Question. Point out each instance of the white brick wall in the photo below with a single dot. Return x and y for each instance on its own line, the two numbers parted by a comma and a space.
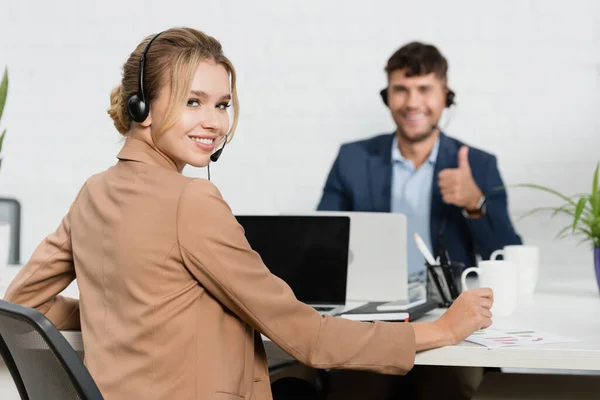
525, 73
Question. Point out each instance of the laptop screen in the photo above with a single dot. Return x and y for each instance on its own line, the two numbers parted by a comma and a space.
309, 253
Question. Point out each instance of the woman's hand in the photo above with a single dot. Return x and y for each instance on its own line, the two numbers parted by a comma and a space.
469, 312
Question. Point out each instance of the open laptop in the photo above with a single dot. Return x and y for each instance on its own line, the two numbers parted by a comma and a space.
309, 253
377, 263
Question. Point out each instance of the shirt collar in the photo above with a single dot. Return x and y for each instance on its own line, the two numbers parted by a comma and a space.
140, 151
397, 155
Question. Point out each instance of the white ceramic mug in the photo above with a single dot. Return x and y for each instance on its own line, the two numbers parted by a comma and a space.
501, 277
527, 260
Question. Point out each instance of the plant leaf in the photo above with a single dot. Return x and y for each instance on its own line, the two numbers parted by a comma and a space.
569, 209
584, 208
3, 91
581, 241
540, 209
560, 233
595, 195
578, 211
595, 227
2, 139
545, 189
566, 208
579, 231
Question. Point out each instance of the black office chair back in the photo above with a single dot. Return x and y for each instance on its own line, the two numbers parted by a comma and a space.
10, 212
42, 363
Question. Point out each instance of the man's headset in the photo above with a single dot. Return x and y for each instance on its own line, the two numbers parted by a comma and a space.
449, 97
138, 107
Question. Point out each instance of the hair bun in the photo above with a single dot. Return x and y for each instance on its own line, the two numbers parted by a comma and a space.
117, 110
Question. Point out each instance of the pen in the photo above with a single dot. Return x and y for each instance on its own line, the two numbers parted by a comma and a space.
447, 266
448, 276
424, 250
443, 250
444, 299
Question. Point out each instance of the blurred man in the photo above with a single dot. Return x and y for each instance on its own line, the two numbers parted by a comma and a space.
442, 186
438, 182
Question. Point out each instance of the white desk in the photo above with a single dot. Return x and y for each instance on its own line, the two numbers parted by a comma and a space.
568, 306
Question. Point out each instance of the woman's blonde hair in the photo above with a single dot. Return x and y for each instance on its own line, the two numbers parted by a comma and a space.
173, 57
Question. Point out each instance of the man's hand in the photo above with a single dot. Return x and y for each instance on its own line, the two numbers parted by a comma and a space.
457, 184
469, 312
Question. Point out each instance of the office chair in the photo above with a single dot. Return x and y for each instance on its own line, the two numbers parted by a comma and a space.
42, 363
288, 384
10, 211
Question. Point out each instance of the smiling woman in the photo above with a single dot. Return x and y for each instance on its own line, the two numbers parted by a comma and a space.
174, 96
202, 122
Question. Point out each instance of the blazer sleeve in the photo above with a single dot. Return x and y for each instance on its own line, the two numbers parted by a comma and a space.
47, 273
494, 230
215, 250
335, 196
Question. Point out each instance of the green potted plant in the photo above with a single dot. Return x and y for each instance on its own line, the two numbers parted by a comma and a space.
585, 211
4, 226
3, 93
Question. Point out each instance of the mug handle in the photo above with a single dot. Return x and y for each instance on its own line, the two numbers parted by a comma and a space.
495, 254
463, 277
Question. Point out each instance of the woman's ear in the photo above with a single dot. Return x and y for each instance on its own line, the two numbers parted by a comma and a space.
148, 121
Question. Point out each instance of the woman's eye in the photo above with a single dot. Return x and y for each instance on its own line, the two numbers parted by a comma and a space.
193, 103
223, 106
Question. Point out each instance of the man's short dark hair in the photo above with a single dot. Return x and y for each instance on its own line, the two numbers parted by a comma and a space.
418, 59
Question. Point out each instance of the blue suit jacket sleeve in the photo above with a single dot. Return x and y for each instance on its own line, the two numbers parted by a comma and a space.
335, 196
494, 230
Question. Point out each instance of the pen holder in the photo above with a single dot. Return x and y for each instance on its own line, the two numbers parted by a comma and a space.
443, 283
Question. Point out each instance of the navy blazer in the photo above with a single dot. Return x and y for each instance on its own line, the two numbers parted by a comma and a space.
361, 180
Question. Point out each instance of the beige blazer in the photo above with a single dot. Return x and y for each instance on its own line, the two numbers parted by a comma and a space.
172, 297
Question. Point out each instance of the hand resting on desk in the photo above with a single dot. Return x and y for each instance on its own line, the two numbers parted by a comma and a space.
469, 312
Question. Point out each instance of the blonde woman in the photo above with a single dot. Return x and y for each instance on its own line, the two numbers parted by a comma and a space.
172, 297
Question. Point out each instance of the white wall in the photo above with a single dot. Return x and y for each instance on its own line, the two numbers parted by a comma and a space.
525, 73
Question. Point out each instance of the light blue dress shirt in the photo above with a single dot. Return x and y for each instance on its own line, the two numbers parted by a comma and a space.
411, 195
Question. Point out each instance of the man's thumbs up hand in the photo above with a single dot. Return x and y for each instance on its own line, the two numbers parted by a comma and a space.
457, 184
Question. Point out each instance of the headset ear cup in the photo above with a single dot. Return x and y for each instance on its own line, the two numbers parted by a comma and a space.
450, 98
384, 96
137, 108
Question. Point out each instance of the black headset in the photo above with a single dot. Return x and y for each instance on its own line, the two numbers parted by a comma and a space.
138, 107
449, 97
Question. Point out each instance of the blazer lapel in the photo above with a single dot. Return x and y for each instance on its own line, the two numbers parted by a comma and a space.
379, 173
447, 158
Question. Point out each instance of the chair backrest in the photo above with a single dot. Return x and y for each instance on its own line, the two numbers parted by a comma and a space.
41, 361
10, 211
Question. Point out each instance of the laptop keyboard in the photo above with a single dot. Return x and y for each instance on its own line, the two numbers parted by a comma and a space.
323, 309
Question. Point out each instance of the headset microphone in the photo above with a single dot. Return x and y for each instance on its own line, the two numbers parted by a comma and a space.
215, 156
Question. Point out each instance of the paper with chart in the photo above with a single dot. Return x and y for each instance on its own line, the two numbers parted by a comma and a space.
493, 338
